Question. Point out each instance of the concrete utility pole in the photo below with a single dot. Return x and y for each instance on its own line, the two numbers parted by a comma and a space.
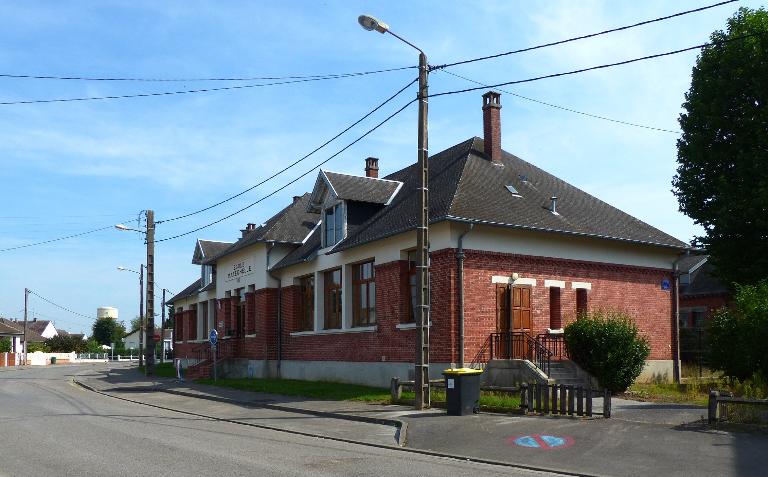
26, 307
150, 349
141, 316
422, 231
162, 331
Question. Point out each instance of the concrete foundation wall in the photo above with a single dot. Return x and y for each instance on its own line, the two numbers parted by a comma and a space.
657, 371
511, 372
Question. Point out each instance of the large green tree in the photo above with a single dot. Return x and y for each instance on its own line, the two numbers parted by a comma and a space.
722, 174
107, 331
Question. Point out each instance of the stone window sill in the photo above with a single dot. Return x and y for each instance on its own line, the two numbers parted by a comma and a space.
359, 329
408, 326
251, 336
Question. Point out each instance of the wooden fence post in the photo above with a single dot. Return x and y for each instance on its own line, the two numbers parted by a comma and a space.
589, 400
563, 397
395, 389
580, 401
524, 398
545, 398
554, 399
606, 403
713, 407
538, 398
570, 400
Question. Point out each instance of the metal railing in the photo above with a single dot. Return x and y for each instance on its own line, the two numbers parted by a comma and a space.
520, 345
482, 356
554, 343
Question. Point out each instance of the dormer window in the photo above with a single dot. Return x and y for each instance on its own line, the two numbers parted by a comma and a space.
333, 225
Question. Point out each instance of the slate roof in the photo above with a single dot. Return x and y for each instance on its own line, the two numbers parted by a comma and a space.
290, 225
703, 281
362, 189
38, 326
8, 328
465, 186
190, 290
208, 249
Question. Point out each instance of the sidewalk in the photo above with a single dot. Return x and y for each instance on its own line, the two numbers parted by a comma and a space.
642, 439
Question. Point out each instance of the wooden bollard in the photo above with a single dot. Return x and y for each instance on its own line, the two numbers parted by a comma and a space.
395, 389
606, 404
580, 401
524, 398
712, 414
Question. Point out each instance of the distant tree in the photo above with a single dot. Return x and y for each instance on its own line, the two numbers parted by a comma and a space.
722, 178
107, 331
5, 345
135, 323
33, 347
66, 344
169, 320
93, 346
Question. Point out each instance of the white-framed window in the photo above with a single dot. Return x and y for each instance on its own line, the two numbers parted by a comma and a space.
333, 225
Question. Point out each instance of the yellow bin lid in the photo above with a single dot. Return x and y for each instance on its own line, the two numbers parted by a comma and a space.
463, 371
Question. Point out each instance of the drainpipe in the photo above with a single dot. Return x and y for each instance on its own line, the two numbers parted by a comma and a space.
460, 287
279, 312
676, 314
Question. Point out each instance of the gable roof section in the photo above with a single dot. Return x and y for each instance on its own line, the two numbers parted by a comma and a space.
192, 289
291, 225
38, 326
205, 249
465, 186
703, 280
304, 253
7, 328
360, 189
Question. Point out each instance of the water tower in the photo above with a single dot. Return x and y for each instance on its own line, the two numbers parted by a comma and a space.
106, 312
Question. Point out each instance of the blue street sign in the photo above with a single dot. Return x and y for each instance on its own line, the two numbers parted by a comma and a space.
213, 337
665, 284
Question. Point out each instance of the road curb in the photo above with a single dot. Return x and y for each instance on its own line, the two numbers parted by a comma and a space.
348, 441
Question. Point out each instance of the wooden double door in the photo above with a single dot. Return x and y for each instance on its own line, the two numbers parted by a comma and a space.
513, 314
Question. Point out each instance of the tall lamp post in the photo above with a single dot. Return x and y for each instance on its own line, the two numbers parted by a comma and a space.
422, 232
150, 241
141, 310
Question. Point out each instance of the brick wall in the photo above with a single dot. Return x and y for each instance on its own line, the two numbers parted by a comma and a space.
710, 302
634, 290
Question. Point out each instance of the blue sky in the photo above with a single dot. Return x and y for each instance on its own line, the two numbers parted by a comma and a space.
77, 166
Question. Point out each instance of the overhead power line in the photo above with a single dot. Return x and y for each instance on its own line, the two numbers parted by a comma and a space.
563, 107
592, 68
298, 160
190, 80
171, 93
59, 306
583, 37
309, 171
56, 239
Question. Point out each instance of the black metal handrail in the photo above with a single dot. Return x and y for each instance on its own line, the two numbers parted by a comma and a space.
480, 358
520, 345
554, 343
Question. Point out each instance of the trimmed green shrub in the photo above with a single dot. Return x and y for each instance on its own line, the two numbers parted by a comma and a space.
5, 345
606, 345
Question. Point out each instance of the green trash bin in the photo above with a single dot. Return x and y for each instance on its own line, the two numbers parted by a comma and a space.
462, 391
53, 359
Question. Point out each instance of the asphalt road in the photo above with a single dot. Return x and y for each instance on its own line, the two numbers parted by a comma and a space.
51, 427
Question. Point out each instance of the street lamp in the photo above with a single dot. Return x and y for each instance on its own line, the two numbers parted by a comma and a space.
150, 323
141, 310
422, 232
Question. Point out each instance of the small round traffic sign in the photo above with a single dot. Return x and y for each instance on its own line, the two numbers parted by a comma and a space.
213, 337
541, 441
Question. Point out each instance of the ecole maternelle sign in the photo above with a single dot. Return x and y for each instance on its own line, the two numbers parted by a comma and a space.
240, 269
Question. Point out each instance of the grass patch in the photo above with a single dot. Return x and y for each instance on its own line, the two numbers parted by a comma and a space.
697, 393
490, 401
164, 370
314, 389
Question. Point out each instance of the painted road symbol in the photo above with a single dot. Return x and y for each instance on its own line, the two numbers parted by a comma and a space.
541, 441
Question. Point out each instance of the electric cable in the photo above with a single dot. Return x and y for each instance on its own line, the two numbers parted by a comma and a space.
56, 239
171, 93
296, 161
191, 80
59, 306
583, 37
592, 68
563, 107
295, 179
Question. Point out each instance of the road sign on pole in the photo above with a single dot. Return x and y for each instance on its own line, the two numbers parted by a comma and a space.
213, 338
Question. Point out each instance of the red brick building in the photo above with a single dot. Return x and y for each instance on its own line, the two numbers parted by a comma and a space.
322, 290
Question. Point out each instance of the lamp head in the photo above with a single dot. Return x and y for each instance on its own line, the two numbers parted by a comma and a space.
121, 268
121, 227
372, 23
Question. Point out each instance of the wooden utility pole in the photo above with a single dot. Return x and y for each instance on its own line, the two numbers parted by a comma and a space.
141, 316
26, 307
422, 246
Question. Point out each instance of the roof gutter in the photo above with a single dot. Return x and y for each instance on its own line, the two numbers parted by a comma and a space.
279, 310
676, 313
460, 287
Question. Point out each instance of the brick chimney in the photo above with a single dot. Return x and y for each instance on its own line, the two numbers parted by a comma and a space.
492, 125
372, 167
248, 228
